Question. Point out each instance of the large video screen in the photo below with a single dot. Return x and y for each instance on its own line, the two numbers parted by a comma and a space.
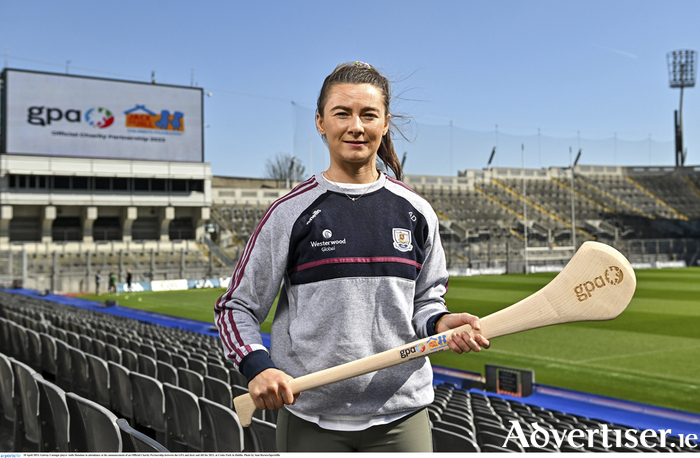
62, 115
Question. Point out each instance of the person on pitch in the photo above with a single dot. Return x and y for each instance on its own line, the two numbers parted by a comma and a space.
362, 269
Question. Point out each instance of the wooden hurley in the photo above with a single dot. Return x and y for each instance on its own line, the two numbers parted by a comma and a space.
597, 284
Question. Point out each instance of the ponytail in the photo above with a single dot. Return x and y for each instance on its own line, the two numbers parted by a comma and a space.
387, 154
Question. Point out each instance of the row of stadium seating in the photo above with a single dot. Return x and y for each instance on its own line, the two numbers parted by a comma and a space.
145, 387
474, 422
168, 384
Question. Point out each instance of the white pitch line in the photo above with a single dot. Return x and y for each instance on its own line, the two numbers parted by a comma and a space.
580, 363
641, 353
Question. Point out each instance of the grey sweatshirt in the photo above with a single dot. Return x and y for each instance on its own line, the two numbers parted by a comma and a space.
357, 278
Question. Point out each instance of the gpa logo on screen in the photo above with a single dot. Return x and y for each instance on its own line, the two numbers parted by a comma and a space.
99, 118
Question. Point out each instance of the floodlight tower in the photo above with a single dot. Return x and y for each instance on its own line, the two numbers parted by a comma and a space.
681, 73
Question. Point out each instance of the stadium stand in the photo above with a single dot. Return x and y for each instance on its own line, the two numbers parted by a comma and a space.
650, 214
141, 413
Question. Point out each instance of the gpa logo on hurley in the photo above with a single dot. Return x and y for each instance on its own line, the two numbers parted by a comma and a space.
402, 239
612, 276
431, 345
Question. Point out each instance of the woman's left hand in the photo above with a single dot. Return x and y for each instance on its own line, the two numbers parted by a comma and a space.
462, 342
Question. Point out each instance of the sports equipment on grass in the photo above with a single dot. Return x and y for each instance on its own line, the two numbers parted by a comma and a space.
597, 284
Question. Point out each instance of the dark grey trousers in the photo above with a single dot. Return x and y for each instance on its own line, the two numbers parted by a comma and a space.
408, 434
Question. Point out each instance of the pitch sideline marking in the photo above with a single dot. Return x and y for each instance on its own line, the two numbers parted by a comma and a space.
578, 363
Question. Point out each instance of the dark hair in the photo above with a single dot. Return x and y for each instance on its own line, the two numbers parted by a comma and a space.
361, 73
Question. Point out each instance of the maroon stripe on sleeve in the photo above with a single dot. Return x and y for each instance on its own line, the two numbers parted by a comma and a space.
227, 327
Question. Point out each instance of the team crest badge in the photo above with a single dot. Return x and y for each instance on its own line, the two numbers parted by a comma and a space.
402, 239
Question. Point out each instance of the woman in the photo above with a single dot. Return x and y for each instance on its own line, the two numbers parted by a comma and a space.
362, 270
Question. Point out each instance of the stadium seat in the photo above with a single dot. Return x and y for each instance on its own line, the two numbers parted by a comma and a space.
485, 437
85, 343
99, 349
197, 365
27, 434
191, 381
218, 391
261, 435
481, 425
164, 355
454, 428
147, 365
130, 359
72, 339
450, 441
433, 415
491, 448
114, 353
5, 337
7, 392
33, 350
183, 420
134, 441
99, 380
179, 360
54, 417
458, 420
93, 428
120, 390
148, 350
148, 403
569, 449
64, 374
166, 373
19, 341
48, 355
79, 370
237, 378
221, 430
218, 371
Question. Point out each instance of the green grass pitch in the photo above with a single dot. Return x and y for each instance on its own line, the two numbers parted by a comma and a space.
649, 354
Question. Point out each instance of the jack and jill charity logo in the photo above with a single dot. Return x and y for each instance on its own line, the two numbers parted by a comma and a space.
141, 117
99, 118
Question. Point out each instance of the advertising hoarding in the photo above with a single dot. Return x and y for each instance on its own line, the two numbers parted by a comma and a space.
50, 114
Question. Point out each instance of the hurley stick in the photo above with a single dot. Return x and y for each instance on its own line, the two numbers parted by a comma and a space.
596, 284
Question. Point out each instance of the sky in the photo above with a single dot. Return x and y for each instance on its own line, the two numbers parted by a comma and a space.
535, 79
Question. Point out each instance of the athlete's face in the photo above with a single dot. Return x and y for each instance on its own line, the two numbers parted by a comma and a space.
354, 121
